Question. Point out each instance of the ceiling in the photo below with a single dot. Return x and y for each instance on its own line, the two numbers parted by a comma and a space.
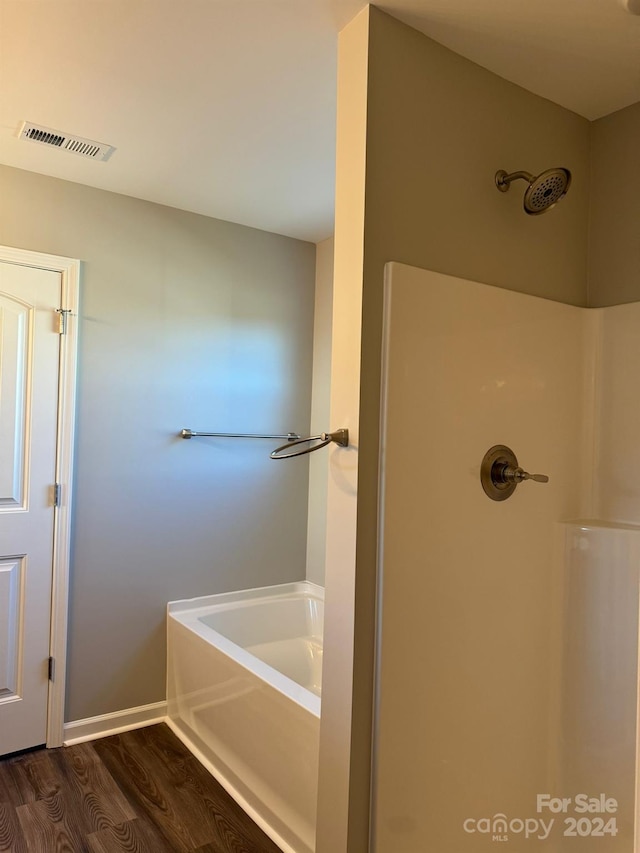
227, 107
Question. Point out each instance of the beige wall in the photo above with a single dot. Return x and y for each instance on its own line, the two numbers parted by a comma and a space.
185, 322
614, 234
438, 128
320, 400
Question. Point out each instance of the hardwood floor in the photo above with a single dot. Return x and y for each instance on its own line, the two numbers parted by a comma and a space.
138, 792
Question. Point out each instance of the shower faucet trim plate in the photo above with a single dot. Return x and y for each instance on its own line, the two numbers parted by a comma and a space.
500, 473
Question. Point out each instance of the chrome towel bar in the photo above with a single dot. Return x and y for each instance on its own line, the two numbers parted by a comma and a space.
340, 437
190, 433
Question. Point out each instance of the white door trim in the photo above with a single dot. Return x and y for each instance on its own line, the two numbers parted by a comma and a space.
69, 269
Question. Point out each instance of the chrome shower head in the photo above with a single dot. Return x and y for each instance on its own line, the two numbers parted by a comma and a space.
543, 192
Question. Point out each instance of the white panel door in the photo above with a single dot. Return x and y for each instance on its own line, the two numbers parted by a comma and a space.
29, 356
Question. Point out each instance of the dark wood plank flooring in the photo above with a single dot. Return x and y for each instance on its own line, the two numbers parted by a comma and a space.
138, 792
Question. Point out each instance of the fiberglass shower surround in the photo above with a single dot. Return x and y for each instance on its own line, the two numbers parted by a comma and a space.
512, 625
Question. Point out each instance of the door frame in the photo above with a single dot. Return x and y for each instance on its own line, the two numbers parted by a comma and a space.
69, 269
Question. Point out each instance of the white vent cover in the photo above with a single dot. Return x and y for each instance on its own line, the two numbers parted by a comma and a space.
65, 141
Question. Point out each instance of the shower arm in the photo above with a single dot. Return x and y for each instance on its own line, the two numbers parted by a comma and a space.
503, 180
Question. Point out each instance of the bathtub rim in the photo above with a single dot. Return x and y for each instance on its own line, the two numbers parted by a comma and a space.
253, 594
188, 612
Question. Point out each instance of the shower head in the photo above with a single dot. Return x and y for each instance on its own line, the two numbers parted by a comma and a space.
543, 192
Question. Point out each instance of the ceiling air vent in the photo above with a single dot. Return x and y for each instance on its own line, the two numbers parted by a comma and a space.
65, 141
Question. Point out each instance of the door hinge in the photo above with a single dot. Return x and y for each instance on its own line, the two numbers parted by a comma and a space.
52, 669
63, 313
57, 489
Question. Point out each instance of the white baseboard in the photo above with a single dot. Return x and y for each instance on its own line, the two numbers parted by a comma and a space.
92, 728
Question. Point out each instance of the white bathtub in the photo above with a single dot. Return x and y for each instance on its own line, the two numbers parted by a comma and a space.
244, 672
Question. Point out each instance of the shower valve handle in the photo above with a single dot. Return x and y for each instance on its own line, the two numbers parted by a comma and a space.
500, 473
517, 475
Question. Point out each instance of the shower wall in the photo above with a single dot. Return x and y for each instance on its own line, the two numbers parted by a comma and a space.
467, 664
597, 746
186, 321
616, 486
601, 594
510, 671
